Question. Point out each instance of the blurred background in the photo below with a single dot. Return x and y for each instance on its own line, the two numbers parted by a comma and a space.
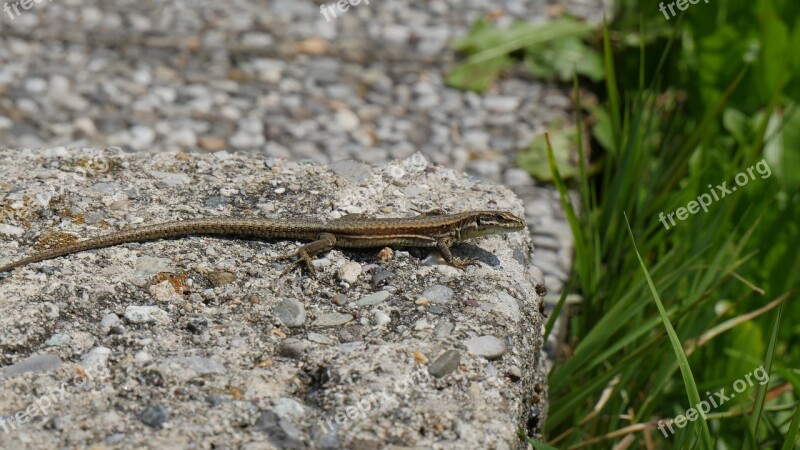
643, 111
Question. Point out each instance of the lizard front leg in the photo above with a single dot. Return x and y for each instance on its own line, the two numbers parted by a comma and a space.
444, 249
324, 243
431, 212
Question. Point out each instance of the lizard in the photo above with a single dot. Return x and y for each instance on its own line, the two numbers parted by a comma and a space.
431, 229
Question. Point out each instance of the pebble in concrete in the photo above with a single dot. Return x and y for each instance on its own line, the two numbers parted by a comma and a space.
145, 314
373, 299
488, 347
445, 363
437, 294
332, 320
291, 312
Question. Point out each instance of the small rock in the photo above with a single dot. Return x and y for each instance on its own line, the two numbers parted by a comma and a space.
11, 230
211, 143
147, 266
164, 292
197, 325
501, 104
214, 202
184, 137
141, 137
385, 254
380, 276
421, 324
340, 299
352, 333
350, 347
437, 294
293, 348
380, 318
188, 367
282, 433
536, 274
514, 373
347, 120
289, 409
488, 347
373, 299
170, 178
443, 329
442, 268
320, 338
329, 440
332, 320
108, 321
291, 313
146, 314
507, 305
38, 363
349, 272
352, 170
96, 359
35, 85
154, 416
142, 357
221, 278
445, 363
58, 340
218, 399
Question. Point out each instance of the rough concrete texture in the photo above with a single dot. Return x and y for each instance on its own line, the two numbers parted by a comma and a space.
196, 343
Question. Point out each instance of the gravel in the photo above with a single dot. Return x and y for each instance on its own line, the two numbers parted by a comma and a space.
199, 77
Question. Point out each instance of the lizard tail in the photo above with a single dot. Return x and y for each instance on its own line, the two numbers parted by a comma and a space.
142, 234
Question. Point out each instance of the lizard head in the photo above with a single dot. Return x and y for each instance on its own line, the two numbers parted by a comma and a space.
484, 223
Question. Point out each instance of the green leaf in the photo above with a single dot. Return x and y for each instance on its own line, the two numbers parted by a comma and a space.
490, 49
535, 159
738, 125
559, 59
478, 77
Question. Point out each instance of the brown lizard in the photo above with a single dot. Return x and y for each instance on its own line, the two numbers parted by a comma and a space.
433, 229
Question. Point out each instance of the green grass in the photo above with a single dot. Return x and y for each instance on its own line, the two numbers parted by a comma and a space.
671, 316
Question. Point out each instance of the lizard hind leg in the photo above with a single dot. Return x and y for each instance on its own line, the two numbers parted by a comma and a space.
325, 242
461, 263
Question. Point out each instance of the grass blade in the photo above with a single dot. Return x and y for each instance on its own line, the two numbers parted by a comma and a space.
677, 346
759, 405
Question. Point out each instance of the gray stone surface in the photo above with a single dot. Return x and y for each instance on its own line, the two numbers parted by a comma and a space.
213, 363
